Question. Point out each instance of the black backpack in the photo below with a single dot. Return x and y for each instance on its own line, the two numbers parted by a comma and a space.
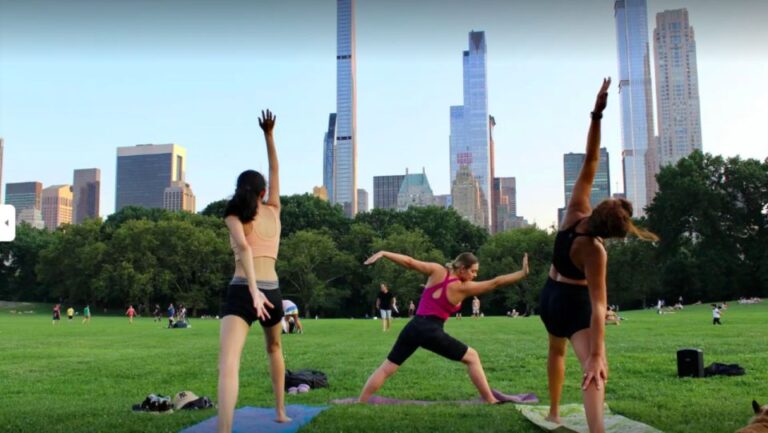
313, 378
717, 368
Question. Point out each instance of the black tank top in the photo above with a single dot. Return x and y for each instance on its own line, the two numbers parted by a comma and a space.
561, 256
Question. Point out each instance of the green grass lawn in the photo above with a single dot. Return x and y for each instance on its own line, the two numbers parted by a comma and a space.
75, 378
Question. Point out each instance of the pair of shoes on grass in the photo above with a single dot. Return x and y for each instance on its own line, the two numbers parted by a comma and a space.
298, 389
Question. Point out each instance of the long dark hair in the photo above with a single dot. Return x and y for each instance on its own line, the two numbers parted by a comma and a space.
612, 218
245, 203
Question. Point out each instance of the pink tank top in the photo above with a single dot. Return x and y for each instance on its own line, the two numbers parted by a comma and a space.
440, 307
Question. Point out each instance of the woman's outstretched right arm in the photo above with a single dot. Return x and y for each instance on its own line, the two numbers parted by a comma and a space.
267, 124
408, 262
583, 187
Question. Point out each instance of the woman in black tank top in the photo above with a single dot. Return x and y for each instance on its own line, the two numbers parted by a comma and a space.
573, 301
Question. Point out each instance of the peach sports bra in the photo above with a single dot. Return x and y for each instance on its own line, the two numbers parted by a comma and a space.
264, 236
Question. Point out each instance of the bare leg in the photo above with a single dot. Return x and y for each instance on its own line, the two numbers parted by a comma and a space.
477, 375
555, 375
388, 323
593, 397
277, 369
231, 340
377, 379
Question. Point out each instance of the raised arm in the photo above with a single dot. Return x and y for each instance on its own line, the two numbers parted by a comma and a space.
425, 268
472, 288
596, 368
244, 252
267, 124
583, 186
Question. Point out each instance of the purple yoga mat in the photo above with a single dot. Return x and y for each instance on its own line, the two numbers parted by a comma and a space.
505, 398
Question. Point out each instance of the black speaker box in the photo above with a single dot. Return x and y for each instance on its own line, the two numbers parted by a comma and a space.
690, 363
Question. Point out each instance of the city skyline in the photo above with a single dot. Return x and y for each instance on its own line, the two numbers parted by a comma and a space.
543, 71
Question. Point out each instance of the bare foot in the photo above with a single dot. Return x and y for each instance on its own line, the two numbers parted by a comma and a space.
282, 419
492, 401
553, 418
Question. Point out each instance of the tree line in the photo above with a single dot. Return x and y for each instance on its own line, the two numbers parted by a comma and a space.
710, 213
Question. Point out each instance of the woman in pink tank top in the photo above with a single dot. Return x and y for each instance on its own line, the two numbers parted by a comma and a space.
446, 288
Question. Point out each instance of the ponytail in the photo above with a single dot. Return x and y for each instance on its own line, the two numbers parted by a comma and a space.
245, 203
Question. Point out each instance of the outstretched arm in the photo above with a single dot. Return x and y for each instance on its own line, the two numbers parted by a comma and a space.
471, 288
267, 124
596, 367
426, 268
583, 187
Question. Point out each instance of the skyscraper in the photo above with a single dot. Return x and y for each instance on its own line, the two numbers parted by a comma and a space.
677, 87
329, 144
345, 151
57, 206
24, 196
601, 186
385, 190
145, 171
470, 134
466, 196
86, 189
415, 191
638, 150
362, 200
178, 196
505, 202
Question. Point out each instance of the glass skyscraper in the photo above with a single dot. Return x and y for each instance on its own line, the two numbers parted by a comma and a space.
145, 171
677, 87
470, 132
329, 144
385, 190
24, 196
638, 147
86, 188
601, 187
345, 151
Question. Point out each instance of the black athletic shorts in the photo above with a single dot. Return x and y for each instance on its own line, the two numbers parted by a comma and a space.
565, 308
426, 332
240, 303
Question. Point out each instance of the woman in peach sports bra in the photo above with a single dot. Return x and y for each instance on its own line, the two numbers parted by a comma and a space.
446, 288
253, 294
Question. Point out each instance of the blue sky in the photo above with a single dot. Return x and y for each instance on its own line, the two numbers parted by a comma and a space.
80, 78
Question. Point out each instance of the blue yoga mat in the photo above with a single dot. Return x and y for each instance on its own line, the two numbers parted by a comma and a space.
261, 420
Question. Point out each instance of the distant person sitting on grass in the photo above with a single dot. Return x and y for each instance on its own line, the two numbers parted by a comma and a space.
611, 318
87, 314
130, 313
56, 313
446, 288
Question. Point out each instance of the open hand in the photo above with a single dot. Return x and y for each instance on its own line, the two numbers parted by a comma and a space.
371, 260
260, 304
267, 121
525, 269
602, 96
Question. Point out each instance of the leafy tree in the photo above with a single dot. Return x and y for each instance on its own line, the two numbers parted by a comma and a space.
18, 260
215, 209
310, 268
503, 254
307, 212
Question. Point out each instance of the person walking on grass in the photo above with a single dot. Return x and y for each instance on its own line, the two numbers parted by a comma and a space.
447, 286
254, 292
716, 312
475, 307
171, 314
130, 313
384, 303
56, 314
86, 314
70, 314
573, 301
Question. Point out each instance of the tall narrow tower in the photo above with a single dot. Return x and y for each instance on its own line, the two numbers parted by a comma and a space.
345, 151
470, 147
638, 144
